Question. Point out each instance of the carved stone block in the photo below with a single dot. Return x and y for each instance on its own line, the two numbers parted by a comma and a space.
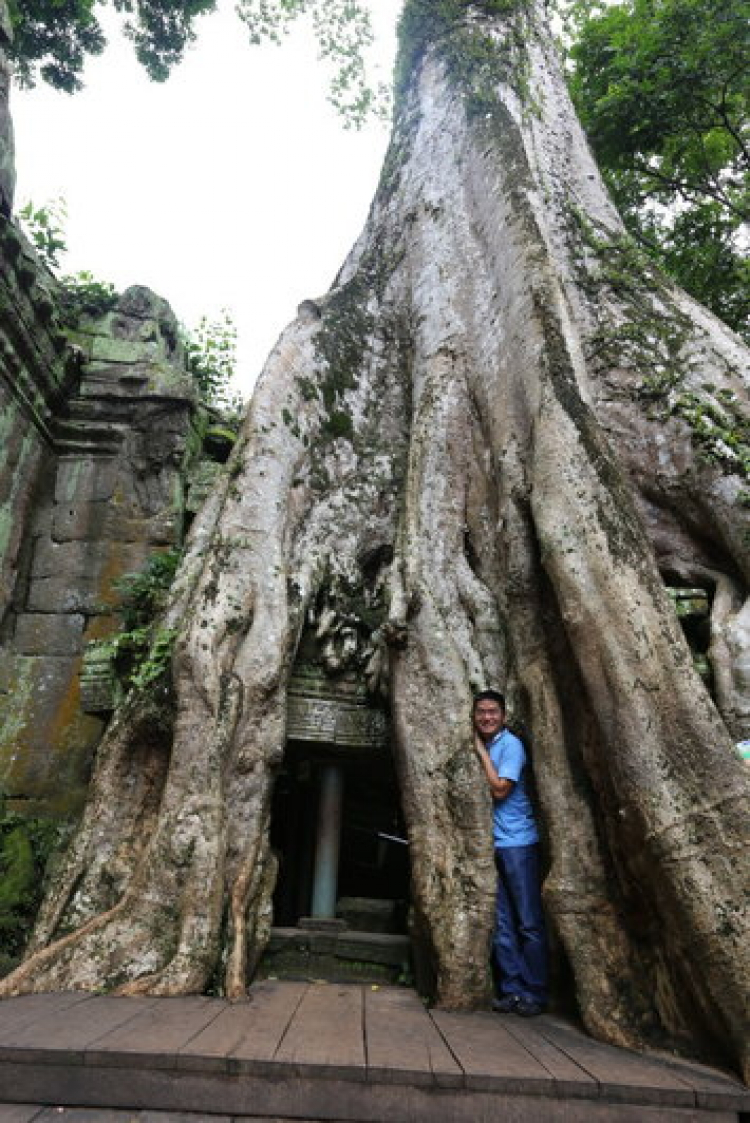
48, 634
335, 713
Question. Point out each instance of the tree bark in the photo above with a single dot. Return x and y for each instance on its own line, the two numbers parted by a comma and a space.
496, 436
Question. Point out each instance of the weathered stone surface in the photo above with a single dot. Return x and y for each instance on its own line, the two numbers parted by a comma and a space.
100, 690
105, 349
49, 634
69, 561
367, 914
50, 594
136, 347
163, 528
79, 480
84, 500
15, 508
47, 740
76, 521
36, 377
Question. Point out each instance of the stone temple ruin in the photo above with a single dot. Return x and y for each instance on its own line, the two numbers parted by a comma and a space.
107, 454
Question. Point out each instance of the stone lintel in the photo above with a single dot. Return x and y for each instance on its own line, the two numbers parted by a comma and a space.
331, 712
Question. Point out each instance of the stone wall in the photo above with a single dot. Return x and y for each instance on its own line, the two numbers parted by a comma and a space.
38, 370
103, 431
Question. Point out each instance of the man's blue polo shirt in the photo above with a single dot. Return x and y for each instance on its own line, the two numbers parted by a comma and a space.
512, 817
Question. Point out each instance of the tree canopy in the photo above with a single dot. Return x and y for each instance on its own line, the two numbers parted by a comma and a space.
662, 88
52, 41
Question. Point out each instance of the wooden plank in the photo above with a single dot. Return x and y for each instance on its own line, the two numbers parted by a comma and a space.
155, 1036
570, 1079
68, 1030
28, 1009
300, 1098
402, 1043
622, 1076
326, 1033
713, 1089
245, 1034
490, 1056
113, 1115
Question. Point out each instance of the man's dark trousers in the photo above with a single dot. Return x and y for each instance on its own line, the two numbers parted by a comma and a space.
520, 941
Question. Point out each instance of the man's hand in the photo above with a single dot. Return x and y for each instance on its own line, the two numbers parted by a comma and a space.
479, 746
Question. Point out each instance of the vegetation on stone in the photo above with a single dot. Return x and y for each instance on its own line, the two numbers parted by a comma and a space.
82, 294
210, 348
26, 845
141, 652
45, 226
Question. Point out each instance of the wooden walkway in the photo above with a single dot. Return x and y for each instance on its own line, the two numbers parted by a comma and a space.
307, 1051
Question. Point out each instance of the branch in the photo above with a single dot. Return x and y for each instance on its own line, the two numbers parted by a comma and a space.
688, 190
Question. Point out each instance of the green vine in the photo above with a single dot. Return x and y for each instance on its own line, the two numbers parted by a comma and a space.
143, 595
141, 653
141, 656
44, 226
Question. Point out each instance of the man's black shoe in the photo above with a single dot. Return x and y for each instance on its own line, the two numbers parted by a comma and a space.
527, 1008
508, 1004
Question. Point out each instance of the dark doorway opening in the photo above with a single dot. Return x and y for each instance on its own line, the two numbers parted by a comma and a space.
373, 858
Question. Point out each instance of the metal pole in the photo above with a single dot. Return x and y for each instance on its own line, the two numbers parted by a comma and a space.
325, 877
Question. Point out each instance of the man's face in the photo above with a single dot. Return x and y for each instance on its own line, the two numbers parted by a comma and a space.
489, 718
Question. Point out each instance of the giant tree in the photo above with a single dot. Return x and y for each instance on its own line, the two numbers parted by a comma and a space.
475, 461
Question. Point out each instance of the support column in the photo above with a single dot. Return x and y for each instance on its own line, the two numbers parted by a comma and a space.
325, 877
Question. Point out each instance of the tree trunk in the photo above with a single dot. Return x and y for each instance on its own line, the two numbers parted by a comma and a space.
472, 463
7, 162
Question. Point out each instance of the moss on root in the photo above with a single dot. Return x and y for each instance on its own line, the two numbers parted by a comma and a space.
655, 345
475, 59
26, 845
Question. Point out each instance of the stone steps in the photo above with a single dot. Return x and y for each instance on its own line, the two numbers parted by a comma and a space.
83, 436
336, 956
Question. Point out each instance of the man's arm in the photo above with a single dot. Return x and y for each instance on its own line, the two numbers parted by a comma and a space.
500, 787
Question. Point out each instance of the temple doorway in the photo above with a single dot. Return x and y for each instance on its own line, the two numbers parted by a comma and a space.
342, 893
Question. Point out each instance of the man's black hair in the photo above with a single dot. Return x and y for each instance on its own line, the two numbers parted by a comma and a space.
489, 696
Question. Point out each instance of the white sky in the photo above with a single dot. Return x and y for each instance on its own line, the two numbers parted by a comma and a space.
234, 184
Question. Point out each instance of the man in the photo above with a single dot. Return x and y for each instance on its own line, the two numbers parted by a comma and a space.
519, 942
